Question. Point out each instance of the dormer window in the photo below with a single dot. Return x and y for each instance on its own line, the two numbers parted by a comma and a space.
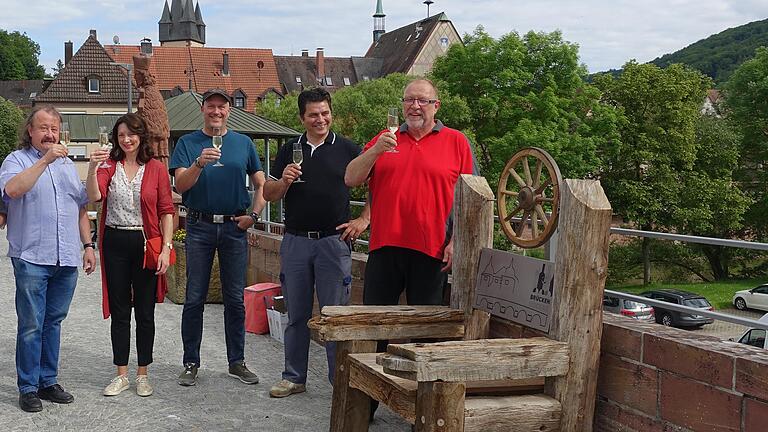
328, 81
94, 84
239, 98
346, 81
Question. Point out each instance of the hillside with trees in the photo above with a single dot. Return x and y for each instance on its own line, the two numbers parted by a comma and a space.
719, 55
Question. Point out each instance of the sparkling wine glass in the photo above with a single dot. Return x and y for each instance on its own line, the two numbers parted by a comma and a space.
298, 158
217, 141
64, 134
105, 144
393, 124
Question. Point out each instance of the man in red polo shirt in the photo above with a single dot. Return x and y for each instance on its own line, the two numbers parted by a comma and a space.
411, 196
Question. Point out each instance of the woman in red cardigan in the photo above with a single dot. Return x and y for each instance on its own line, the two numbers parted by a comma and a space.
135, 192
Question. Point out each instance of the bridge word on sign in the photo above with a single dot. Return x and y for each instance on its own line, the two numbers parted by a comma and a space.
516, 288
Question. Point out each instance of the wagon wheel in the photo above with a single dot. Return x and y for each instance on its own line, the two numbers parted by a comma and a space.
529, 197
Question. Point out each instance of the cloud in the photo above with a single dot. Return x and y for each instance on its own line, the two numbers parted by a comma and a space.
608, 32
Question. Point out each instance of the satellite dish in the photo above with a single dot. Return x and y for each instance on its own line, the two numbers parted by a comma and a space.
116, 39
260, 64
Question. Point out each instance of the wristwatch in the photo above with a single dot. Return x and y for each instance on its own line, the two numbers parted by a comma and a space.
91, 245
255, 216
197, 162
169, 245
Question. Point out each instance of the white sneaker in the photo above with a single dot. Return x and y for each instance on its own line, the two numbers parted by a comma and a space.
117, 385
143, 387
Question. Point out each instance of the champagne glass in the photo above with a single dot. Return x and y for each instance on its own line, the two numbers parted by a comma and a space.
393, 124
217, 141
64, 134
298, 158
105, 144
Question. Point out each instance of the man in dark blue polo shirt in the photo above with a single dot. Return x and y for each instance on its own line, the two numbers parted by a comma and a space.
216, 198
316, 249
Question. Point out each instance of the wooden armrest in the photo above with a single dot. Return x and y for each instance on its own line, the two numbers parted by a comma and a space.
343, 323
477, 360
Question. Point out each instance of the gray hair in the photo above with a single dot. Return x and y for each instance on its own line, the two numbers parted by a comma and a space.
25, 140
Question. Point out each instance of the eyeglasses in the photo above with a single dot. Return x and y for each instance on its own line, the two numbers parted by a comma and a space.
421, 102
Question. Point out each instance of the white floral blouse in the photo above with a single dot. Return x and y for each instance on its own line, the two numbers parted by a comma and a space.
123, 205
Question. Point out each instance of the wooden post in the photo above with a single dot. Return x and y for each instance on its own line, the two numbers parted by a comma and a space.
350, 408
580, 272
440, 407
472, 231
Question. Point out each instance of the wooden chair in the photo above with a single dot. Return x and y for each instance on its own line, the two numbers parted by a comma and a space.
473, 383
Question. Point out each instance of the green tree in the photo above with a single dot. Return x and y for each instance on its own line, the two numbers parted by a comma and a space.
19, 57
747, 105
648, 175
528, 91
58, 68
11, 119
717, 207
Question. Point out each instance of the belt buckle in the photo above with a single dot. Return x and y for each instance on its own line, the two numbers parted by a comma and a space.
218, 219
315, 235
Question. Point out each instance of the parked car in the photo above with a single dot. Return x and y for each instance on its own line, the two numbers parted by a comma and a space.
755, 336
632, 309
669, 317
755, 298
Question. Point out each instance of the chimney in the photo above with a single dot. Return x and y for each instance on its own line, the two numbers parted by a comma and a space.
67, 52
320, 60
305, 53
93, 33
146, 46
225, 64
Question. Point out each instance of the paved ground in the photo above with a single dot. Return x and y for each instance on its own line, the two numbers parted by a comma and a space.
725, 330
217, 403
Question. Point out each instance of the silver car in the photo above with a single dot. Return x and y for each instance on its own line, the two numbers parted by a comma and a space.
629, 308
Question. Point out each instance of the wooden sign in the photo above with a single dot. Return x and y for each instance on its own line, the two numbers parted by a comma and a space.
516, 288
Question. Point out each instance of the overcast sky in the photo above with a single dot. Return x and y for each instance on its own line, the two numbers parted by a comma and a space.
609, 32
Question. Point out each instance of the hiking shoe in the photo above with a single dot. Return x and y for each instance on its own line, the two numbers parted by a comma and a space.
143, 387
189, 376
286, 388
117, 385
240, 371
30, 402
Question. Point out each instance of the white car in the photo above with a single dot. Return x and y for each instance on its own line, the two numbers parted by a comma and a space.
755, 298
755, 336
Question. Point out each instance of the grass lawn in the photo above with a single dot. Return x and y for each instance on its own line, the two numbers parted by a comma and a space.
719, 294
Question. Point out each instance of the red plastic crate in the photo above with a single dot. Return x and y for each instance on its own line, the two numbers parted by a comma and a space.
255, 306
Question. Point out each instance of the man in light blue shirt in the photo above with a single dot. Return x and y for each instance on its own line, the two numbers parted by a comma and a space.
47, 227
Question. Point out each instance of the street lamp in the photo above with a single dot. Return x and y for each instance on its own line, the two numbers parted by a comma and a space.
129, 68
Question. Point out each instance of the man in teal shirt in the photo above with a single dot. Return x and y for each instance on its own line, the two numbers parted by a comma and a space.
217, 200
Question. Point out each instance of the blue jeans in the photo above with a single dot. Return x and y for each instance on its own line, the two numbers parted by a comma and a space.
43, 295
203, 240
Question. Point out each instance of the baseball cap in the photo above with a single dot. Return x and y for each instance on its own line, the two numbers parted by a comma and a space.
217, 92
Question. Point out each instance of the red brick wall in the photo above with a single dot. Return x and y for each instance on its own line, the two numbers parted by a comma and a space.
654, 378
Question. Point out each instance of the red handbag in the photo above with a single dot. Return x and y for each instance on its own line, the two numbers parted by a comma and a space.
152, 249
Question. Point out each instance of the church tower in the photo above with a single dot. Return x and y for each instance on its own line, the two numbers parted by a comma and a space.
378, 22
182, 24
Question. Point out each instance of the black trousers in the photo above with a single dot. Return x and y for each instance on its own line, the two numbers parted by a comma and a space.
129, 285
390, 270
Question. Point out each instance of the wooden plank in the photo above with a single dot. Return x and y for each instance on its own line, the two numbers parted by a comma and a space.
488, 359
440, 407
477, 325
530, 413
340, 416
338, 323
498, 387
581, 270
472, 231
398, 394
389, 314
391, 331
